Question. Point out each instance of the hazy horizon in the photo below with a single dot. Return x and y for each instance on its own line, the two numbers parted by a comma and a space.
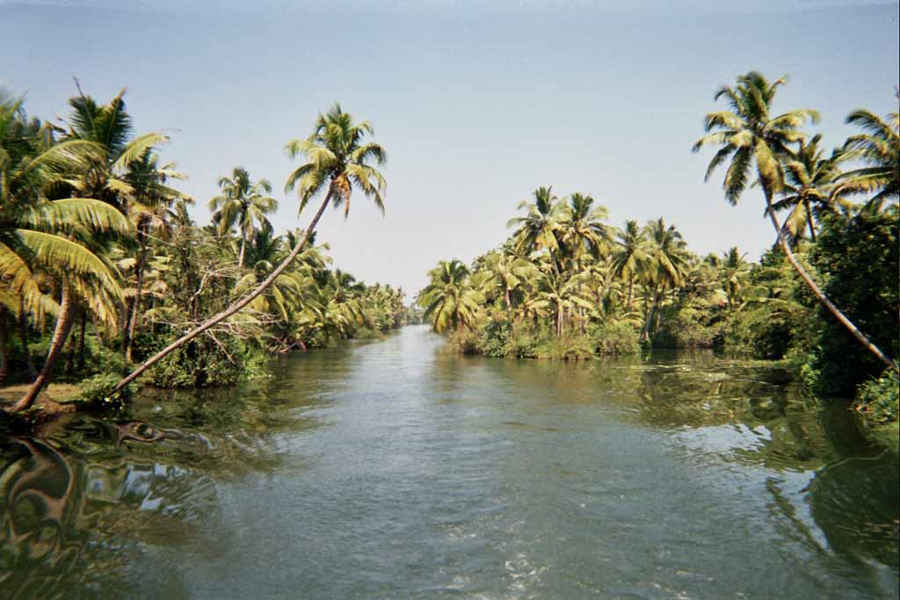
476, 106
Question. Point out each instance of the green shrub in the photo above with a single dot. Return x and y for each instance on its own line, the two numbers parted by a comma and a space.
494, 340
615, 337
877, 399
98, 391
857, 261
204, 363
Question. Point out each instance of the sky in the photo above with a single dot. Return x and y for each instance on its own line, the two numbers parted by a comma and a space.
476, 103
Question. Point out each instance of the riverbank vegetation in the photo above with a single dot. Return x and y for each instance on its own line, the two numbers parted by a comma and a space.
102, 266
567, 284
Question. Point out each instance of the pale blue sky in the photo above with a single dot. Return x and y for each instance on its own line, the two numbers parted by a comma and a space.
476, 103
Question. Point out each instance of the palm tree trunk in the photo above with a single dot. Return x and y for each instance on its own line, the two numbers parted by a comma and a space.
136, 305
60, 333
243, 245
81, 341
630, 286
23, 335
4, 339
809, 221
558, 320
861, 338
237, 306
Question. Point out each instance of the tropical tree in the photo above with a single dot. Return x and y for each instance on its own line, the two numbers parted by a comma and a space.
337, 160
666, 264
747, 135
581, 227
537, 230
509, 273
50, 237
50, 240
449, 299
879, 148
244, 203
809, 182
148, 207
630, 257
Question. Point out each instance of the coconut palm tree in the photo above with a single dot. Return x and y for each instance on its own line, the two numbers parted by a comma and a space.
244, 203
630, 257
809, 181
149, 209
747, 135
509, 273
537, 230
52, 238
449, 299
337, 160
581, 227
667, 261
109, 127
879, 147
734, 275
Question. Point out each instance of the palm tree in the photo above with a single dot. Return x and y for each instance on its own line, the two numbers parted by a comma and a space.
629, 260
449, 299
50, 237
734, 273
109, 127
242, 202
564, 293
667, 261
149, 209
880, 148
809, 181
38, 236
337, 158
537, 230
509, 273
747, 134
581, 228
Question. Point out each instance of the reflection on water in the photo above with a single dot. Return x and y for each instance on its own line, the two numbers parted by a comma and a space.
397, 470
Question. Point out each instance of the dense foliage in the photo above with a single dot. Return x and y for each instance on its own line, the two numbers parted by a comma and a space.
568, 285
95, 242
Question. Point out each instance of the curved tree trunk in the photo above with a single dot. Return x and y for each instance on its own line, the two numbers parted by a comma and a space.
809, 221
60, 333
4, 345
23, 335
819, 293
234, 308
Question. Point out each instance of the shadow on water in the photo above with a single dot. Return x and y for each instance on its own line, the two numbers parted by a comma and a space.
83, 500
87, 504
732, 412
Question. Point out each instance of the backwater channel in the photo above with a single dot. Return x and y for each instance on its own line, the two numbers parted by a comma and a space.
394, 469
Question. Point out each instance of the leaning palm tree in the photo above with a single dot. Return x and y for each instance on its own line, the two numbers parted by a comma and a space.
879, 147
747, 135
337, 158
50, 240
50, 237
244, 203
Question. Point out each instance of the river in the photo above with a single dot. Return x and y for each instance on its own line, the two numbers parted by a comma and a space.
394, 469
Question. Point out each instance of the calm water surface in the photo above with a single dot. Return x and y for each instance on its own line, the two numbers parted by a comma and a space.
395, 470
